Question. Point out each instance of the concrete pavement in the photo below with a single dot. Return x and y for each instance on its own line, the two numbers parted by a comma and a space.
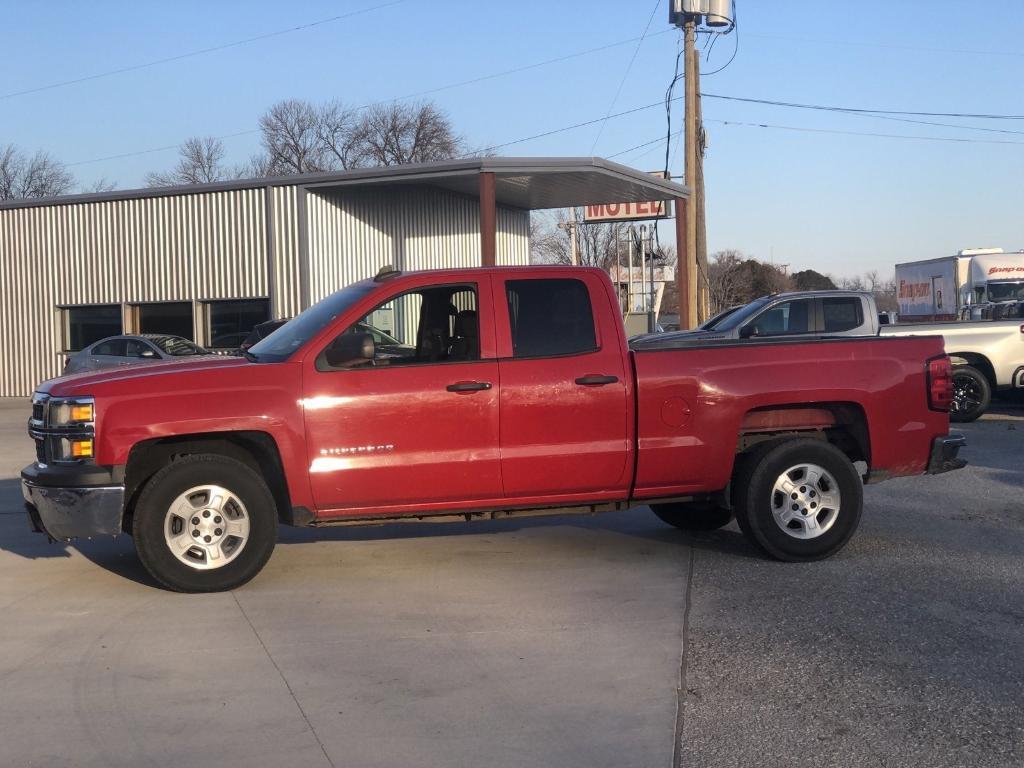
534, 643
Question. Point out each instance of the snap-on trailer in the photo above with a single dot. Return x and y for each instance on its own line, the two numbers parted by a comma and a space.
956, 287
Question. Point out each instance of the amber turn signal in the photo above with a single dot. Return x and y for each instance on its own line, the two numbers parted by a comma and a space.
81, 449
82, 412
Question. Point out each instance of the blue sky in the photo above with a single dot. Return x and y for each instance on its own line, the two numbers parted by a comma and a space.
829, 201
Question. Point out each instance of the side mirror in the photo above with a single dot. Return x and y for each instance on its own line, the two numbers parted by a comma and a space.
750, 331
148, 354
350, 350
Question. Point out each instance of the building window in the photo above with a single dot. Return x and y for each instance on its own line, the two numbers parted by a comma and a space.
86, 324
229, 322
173, 318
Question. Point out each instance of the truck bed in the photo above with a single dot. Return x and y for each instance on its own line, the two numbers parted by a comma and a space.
695, 400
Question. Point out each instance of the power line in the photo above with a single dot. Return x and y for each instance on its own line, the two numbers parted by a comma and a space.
566, 128
821, 107
661, 139
523, 68
865, 133
871, 44
200, 52
641, 146
735, 50
417, 94
625, 75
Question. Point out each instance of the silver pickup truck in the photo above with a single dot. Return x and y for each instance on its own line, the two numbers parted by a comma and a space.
987, 354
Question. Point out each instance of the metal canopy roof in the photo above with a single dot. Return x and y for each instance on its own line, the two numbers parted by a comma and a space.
530, 183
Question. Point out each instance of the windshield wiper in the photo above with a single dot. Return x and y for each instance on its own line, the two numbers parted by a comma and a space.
250, 356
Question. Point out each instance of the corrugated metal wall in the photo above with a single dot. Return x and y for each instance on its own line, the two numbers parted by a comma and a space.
214, 245
209, 245
286, 300
353, 234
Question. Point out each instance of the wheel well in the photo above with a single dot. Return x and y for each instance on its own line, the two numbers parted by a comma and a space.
842, 424
255, 449
978, 361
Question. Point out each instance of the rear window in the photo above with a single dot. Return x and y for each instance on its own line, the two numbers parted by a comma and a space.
178, 347
841, 313
550, 317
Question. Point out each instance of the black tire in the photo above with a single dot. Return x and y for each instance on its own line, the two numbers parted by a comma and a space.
175, 479
693, 516
972, 394
753, 499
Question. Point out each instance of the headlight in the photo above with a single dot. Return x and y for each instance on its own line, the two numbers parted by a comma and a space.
64, 429
72, 412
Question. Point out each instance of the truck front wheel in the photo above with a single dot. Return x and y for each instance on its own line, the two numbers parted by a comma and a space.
693, 516
204, 523
797, 500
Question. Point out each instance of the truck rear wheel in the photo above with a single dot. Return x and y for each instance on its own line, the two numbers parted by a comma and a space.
205, 523
798, 500
693, 516
972, 394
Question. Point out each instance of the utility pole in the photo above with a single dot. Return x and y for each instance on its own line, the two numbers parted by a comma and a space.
691, 233
574, 249
689, 259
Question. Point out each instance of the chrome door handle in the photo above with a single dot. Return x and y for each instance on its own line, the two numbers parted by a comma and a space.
468, 386
596, 380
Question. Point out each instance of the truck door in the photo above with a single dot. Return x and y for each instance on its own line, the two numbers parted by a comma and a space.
563, 402
417, 424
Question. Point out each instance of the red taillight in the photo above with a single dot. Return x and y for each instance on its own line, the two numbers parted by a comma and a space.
940, 383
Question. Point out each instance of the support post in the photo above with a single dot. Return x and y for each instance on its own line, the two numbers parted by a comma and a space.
488, 221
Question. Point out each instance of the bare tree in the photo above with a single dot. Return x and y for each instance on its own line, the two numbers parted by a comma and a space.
37, 176
551, 241
258, 166
292, 138
102, 184
728, 284
337, 130
200, 161
394, 134
884, 290
855, 283
733, 279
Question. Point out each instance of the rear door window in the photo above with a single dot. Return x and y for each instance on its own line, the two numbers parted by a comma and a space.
550, 317
110, 348
135, 348
841, 313
789, 317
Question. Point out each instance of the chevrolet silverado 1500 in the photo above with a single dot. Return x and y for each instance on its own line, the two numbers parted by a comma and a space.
497, 392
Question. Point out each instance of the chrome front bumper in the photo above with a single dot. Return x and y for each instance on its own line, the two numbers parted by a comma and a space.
67, 513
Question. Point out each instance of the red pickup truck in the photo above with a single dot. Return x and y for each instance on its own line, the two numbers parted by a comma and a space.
476, 394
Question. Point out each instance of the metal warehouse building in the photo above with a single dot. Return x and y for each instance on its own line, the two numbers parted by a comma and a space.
210, 261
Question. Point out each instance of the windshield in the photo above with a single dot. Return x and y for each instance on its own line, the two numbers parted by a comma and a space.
1005, 291
177, 346
280, 345
741, 315
717, 319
